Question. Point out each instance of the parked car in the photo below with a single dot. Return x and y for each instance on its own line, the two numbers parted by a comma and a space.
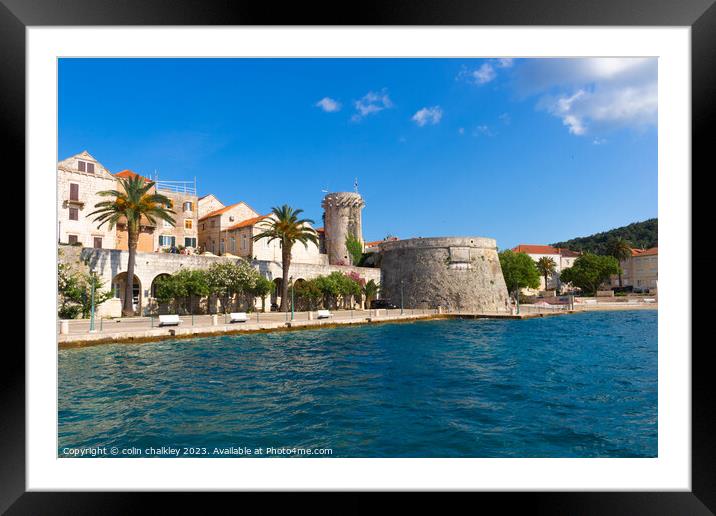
382, 303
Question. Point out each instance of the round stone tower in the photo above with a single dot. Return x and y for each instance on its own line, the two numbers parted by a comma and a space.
456, 273
341, 217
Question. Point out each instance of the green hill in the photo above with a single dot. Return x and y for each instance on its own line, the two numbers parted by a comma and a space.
639, 234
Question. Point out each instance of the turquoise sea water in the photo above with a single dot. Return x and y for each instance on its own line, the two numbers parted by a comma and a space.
583, 385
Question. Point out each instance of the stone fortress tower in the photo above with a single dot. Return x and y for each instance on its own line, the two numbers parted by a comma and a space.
341, 217
456, 273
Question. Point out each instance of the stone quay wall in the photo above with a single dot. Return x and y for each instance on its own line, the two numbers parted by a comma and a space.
456, 273
109, 263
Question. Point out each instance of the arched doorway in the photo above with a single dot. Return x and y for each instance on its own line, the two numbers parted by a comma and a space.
118, 285
276, 294
154, 302
301, 303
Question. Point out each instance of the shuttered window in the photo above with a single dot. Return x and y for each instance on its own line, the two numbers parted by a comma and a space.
74, 192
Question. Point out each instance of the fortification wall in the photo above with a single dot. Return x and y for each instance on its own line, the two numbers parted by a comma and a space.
457, 273
342, 217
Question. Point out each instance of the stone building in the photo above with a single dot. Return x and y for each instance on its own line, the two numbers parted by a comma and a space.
79, 178
455, 273
240, 243
213, 227
341, 219
640, 270
207, 204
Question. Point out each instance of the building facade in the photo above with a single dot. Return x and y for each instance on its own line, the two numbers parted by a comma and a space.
562, 258
640, 271
79, 179
214, 226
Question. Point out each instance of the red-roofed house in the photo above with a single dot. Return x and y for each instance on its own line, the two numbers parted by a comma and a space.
214, 225
640, 271
563, 259
239, 241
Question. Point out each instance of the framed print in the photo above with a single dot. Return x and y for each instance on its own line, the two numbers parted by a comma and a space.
416, 250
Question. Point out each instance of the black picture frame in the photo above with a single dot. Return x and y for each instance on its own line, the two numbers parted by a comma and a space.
700, 15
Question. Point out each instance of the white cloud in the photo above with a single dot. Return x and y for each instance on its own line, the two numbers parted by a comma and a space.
461, 130
329, 105
481, 75
604, 93
425, 116
599, 141
483, 130
371, 103
505, 62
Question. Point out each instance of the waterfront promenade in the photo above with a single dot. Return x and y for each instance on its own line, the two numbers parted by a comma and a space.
146, 329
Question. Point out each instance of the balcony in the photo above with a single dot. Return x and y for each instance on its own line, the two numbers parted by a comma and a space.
75, 203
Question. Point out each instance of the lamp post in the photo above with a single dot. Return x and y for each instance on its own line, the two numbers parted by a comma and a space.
401, 297
91, 329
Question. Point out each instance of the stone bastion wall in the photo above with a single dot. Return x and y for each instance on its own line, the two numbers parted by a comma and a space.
457, 273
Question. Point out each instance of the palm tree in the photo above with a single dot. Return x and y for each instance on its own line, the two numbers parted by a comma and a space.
621, 250
287, 228
546, 267
130, 207
370, 290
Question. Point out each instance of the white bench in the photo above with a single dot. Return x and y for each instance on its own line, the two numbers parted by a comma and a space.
323, 314
169, 320
649, 300
238, 317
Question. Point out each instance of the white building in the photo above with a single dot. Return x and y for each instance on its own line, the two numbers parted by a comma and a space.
563, 259
640, 271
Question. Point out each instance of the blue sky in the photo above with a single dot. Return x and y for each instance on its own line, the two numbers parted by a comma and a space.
524, 151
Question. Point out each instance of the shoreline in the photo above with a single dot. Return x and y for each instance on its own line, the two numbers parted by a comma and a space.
71, 341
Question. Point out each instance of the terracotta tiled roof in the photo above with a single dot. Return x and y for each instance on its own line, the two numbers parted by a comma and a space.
126, 174
246, 223
218, 212
375, 242
652, 251
320, 230
535, 249
568, 253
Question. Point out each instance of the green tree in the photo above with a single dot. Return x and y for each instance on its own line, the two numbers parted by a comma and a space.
309, 292
546, 267
590, 271
262, 288
226, 278
370, 291
75, 291
620, 249
136, 202
355, 249
519, 271
287, 228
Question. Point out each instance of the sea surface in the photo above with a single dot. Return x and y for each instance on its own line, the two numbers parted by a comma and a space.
582, 385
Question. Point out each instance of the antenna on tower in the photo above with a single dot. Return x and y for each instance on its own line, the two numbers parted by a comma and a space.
355, 185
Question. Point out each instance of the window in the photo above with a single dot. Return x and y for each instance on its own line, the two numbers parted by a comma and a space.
213, 223
188, 206
90, 168
203, 227
188, 224
166, 241
81, 166
221, 244
98, 242
74, 214
189, 242
74, 192
243, 242
72, 239
233, 245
